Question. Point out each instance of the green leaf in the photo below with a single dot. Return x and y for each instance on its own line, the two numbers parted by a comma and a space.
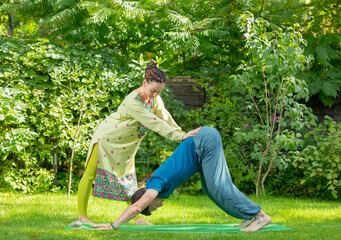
335, 194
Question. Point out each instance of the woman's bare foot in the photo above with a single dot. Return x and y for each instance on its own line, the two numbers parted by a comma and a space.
245, 223
84, 219
142, 221
260, 221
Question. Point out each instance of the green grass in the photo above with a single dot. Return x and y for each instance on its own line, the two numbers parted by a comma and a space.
45, 216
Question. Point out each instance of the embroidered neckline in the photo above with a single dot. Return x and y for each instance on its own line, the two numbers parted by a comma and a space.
148, 104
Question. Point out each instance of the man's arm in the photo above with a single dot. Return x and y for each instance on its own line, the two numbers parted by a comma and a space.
132, 210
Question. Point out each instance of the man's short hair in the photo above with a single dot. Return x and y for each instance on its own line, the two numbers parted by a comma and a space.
136, 196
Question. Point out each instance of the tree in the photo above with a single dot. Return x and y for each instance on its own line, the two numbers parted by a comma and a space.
193, 37
269, 80
319, 23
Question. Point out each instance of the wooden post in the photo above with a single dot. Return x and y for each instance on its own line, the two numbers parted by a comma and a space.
55, 170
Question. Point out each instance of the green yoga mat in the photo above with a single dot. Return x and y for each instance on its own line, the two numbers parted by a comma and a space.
189, 228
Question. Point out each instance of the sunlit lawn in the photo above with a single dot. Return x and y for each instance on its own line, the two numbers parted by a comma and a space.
45, 216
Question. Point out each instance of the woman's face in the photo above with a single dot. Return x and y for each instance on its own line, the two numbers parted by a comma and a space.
153, 89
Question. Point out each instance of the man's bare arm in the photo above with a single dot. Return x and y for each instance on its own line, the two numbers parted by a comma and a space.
132, 210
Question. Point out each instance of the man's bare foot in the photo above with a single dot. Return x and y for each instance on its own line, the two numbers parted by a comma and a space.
84, 219
245, 223
142, 221
261, 220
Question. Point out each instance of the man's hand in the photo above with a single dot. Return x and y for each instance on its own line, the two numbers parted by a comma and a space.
102, 227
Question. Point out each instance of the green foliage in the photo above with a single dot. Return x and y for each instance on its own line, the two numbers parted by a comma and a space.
268, 79
318, 164
318, 21
199, 31
44, 87
192, 37
324, 77
84, 56
28, 181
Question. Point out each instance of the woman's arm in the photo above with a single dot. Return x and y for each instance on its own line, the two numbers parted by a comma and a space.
131, 211
135, 109
162, 112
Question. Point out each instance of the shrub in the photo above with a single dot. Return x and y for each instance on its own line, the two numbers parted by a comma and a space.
44, 87
317, 167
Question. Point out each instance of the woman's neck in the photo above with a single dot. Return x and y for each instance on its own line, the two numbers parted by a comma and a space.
142, 94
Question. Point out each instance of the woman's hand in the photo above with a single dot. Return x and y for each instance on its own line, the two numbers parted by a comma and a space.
102, 227
190, 133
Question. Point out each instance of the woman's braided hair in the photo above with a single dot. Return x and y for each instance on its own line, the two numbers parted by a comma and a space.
154, 74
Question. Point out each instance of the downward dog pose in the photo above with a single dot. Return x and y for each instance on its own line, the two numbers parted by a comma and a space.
202, 153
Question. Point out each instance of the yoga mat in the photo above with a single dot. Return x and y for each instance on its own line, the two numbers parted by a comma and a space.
188, 228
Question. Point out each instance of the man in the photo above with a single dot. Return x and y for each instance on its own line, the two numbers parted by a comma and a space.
202, 153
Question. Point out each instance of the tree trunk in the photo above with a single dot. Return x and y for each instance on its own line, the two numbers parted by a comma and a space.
73, 151
258, 178
184, 59
265, 154
261, 8
125, 44
268, 171
10, 24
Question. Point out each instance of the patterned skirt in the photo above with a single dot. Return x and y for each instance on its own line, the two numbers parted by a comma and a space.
109, 186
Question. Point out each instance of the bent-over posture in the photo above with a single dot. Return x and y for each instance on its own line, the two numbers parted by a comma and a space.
202, 153
114, 144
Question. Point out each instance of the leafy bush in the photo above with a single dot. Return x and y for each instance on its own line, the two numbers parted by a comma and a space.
29, 181
268, 78
317, 167
44, 89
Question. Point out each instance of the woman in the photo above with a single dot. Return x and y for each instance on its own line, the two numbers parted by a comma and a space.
202, 153
110, 159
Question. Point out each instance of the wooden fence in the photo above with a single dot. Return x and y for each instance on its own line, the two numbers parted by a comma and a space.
183, 89
320, 110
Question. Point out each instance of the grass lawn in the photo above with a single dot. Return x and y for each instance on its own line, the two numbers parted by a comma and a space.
45, 216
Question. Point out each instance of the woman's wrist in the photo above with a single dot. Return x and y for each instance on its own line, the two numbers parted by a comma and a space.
113, 227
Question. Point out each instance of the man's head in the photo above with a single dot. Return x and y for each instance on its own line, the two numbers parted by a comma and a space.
155, 204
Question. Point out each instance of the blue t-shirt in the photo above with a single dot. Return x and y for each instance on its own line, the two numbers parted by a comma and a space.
176, 170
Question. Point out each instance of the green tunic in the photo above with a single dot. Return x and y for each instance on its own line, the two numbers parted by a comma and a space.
119, 137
